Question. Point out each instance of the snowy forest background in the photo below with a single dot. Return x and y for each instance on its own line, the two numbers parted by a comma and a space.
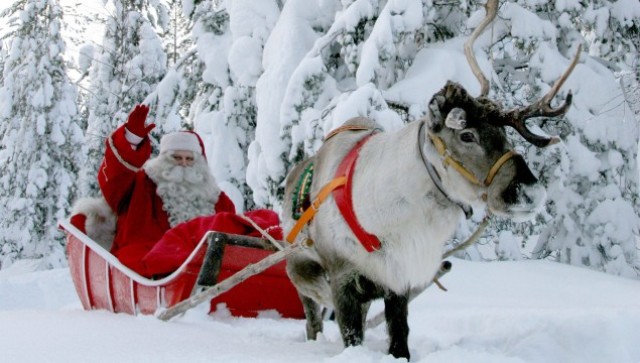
264, 80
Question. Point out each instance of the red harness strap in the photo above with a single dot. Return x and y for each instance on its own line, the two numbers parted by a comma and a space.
343, 198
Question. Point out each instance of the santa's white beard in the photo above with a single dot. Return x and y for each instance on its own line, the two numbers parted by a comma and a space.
186, 191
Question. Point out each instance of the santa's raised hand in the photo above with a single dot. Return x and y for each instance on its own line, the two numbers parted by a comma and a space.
135, 122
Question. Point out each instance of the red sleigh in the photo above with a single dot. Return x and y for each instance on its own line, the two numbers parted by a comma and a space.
102, 282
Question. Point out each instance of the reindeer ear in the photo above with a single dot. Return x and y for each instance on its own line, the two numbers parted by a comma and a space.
435, 120
456, 119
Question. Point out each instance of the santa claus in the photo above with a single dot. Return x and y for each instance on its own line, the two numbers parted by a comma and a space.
167, 202
150, 196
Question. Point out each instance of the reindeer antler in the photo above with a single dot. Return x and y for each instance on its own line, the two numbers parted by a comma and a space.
491, 9
516, 118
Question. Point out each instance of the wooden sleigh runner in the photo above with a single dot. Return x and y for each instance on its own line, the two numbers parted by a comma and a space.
103, 282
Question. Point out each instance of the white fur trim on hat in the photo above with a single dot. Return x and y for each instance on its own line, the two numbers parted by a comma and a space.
180, 141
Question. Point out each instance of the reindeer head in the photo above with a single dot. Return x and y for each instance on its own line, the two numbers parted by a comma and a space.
478, 159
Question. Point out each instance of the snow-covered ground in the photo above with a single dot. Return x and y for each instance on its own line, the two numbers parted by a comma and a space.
524, 311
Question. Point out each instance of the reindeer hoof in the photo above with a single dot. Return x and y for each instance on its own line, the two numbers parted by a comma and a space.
400, 352
313, 330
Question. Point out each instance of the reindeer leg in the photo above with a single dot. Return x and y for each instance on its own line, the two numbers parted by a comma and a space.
309, 278
396, 309
313, 313
352, 300
349, 314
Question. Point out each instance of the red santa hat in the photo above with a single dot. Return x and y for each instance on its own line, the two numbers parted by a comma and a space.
182, 140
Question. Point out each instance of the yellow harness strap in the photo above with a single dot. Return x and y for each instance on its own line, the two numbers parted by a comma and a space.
346, 128
494, 169
313, 208
448, 160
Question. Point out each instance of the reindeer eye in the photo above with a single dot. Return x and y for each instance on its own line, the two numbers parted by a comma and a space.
467, 136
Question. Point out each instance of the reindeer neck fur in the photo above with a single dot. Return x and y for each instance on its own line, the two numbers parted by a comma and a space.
393, 198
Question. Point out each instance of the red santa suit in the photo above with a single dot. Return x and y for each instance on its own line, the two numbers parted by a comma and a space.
131, 194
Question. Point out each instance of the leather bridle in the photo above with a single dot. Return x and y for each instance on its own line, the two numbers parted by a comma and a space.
449, 160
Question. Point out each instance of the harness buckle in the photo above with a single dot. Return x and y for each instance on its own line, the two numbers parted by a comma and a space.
316, 204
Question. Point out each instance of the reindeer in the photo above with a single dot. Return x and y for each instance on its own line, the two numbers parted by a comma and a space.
406, 190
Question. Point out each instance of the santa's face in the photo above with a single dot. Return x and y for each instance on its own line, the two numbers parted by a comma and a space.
176, 169
187, 191
183, 157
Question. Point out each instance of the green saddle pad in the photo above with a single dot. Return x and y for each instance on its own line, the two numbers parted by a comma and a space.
301, 197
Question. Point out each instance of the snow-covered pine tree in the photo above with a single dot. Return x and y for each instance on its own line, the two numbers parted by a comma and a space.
316, 73
80, 20
11, 19
592, 214
176, 38
223, 109
267, 166
313, 88
631, 87
172, 98
40, 156
126, 69
209, 69
190, 67
231, 136
3, 56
